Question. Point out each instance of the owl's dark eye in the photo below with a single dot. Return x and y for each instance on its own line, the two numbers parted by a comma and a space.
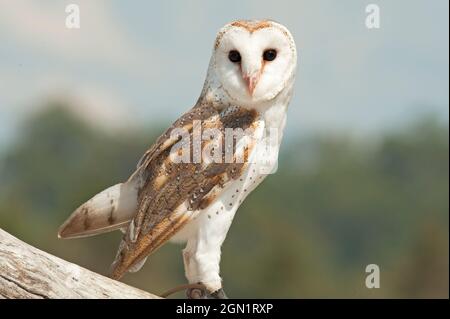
234, 56
269, 55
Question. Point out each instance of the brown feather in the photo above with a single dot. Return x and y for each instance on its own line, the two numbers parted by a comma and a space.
172, 192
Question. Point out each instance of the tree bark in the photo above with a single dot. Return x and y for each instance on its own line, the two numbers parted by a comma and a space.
27, 272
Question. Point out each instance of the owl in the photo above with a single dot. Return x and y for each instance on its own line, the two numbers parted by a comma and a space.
189, 184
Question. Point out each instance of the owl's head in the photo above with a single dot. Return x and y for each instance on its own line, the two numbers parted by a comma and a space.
254, 60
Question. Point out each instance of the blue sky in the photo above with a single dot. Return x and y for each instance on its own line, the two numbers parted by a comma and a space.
137, 62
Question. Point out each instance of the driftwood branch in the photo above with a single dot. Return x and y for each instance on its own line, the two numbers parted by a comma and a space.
27, 272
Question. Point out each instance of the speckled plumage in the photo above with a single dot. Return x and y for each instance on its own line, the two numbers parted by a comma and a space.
196, 201
172, 194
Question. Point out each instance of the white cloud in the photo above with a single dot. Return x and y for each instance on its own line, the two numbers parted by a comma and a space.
40, 27
96, 104
100, 108
348, 76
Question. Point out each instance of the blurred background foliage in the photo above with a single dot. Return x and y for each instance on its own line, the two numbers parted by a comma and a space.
336, 204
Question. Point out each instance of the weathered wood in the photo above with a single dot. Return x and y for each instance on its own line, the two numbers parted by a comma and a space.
27, 272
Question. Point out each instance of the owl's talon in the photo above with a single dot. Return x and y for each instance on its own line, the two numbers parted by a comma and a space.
218, 294
197, 293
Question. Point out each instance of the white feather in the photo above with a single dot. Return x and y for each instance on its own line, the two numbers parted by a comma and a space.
109, 210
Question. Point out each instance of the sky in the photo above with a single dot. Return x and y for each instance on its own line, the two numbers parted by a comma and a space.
135, 63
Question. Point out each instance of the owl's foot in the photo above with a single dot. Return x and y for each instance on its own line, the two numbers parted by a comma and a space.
197, 293
218, 294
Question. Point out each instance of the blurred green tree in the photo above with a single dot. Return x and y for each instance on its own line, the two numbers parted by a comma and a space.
334, 206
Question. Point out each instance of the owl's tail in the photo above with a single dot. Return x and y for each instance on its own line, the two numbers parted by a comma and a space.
109, 210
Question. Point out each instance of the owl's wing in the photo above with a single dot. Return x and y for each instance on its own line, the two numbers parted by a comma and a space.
173, 193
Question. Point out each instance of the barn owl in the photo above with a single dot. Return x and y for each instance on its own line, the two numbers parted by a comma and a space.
248, 87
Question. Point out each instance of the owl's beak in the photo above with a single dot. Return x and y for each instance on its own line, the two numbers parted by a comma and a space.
251, 81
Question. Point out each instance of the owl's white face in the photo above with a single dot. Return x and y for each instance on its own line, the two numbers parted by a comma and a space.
254, 60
